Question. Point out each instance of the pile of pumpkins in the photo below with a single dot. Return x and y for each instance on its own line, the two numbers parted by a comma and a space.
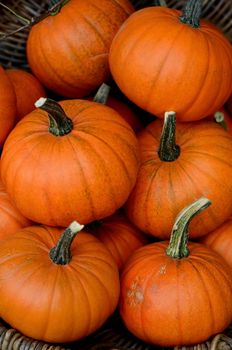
98, 206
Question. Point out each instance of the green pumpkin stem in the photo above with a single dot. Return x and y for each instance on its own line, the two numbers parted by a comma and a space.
191, 13
102, 94
178, 245
220, 119
60, 124
168, 150
61, 253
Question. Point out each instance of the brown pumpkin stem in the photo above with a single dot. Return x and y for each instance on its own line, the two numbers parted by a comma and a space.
61, 253
60, 124
191, 13
102, 94
220, 119
178, 245
168, 150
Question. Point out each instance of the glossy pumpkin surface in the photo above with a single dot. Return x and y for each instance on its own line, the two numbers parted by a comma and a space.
120, 237
86, 174
68, 51
176, 293
7, 106
59, 303
28, 90
203, 168
161, 63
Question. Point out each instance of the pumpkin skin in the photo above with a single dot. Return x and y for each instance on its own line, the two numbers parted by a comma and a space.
172, 302
11, 220
7, 106
120, 237
86, 174
59, 303
165, 70
28, 90
68, 52
220, 240
163, 188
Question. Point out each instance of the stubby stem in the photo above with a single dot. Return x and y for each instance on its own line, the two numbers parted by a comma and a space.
178, 245
191, 13
102, 94
60, 124
61, 253
220, 119
168, 150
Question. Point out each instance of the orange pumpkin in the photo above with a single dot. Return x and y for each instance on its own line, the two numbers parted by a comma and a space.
119, 235
179, 164
174, 294
103, 96
28, 90
163, 59
68, 51
7, 106
81, 164
64, 292
11, 220
220, 240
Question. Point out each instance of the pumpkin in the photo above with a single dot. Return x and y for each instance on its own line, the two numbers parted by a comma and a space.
174, 293
119, 236
7, 106
103, 96
28, 90
179, 163
66, 288
68, 51
11, 220
220, 240
77, 159
163, 59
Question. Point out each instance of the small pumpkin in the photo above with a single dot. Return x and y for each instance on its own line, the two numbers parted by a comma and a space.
179, 163
28, 90
103, 96
66, 287
220, 240
68, 51
11, 220
67, 160
7, 106
163, 59
119, 235
174, 293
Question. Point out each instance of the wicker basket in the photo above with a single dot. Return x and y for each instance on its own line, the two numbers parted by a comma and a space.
113, 335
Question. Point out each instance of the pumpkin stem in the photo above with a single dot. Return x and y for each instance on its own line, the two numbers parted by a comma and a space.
220, 119
168, 150
102, 94
191, 13
178, 248
61, 253
60, 124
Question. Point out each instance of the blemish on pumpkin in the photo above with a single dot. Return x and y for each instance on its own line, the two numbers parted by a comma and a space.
135, 294
162, 270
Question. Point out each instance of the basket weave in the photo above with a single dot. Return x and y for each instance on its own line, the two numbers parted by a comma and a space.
113, 335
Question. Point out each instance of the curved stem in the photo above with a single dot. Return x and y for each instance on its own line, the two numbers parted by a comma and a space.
220, 119
191, 13
102, 94
60, 124
178, 247
168, 150
61, 253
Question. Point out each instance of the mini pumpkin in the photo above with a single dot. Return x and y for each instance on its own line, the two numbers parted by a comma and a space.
65, 288
68, 51
174, 293
74, 159
163, 59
